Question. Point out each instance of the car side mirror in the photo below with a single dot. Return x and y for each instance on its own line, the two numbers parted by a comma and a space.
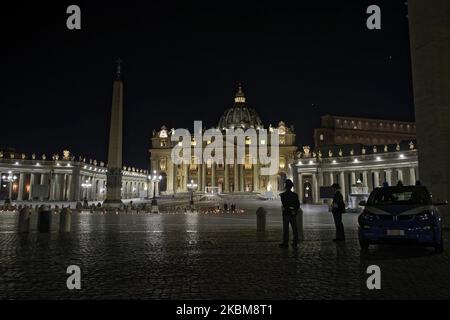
363, 203
443, 203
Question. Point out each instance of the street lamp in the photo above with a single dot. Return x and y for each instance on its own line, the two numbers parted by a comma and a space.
10, 178
192, 187
155, 179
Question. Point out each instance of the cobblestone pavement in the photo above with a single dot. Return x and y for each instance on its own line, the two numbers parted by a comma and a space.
148, 256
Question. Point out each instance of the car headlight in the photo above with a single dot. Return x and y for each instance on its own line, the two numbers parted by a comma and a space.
424, 216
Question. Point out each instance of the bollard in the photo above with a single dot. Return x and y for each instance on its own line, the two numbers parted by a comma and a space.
44, 219
299, 218
24, 220
261, 219
65, 220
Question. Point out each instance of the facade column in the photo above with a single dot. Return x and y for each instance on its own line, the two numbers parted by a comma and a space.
255, 177
204, 174
213, 174
236, 177
21, 185
241, 178
376, 179
331, 178
227, 177
315, 188
185, 177
389, 177
342, 185
412, 176
199, 177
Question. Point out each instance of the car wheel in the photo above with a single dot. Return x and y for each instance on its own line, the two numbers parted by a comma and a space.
439, 247
364, 245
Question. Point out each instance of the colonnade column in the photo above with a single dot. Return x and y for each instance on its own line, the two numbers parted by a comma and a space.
400, 175
331, 178
74, 194
389, 176
21, 184
175, 178
300, 188
365, 180
32, 178
320, 183
342, 184
353, 177
376, 179
412, 176
68, 188
316, 188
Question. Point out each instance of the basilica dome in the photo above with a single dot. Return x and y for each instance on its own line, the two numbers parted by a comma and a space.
240, 115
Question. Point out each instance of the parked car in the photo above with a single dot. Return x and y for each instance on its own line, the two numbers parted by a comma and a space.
400, 214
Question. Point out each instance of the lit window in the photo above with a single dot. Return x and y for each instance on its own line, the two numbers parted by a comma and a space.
193, 142
248, 140
282, 140
263, 142
321, 137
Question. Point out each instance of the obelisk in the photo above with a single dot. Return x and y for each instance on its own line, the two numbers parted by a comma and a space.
429, 29
114, 175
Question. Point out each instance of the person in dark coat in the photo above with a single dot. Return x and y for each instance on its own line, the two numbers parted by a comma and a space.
290, 207
338, 208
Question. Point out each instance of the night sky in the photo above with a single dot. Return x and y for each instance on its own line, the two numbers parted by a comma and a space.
182, 62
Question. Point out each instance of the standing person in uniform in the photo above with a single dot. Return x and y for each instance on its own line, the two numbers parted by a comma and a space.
338, 208
290, 207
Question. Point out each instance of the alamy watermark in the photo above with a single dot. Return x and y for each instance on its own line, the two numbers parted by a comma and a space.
240, 146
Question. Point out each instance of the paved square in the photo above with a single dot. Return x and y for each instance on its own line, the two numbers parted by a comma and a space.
189, 256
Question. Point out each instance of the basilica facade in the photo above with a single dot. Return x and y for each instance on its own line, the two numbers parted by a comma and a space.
225, 177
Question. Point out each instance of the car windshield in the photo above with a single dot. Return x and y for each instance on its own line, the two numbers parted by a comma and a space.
399, 196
